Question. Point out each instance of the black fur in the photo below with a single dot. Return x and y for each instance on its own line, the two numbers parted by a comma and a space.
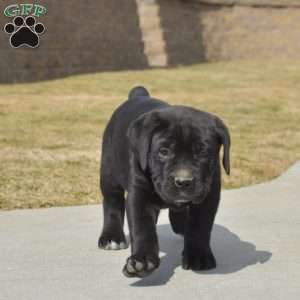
165, 157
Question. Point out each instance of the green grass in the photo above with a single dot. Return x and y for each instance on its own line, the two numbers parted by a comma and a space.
50, 132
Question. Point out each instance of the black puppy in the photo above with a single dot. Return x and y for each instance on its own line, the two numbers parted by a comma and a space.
164, 157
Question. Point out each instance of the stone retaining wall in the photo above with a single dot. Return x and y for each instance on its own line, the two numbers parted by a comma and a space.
229, 32
91, 36
81, 37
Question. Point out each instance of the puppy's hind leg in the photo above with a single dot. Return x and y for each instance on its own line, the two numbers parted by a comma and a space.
112, 236
178, 220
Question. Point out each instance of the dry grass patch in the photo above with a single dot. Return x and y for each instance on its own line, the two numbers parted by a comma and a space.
50, 132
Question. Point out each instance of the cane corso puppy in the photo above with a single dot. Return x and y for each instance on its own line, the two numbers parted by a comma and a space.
164, 156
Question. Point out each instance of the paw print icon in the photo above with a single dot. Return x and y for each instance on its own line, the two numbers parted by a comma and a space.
24, 32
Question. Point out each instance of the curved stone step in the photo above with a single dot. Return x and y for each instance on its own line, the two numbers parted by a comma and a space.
152, 34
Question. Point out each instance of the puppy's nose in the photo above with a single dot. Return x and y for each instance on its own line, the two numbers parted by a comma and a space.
183, 182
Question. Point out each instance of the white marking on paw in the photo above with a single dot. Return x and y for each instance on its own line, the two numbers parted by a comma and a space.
130, 267
115, 246
150, 265
123, 245
139, 266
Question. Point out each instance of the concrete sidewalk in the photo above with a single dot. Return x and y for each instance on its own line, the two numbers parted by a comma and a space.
53, 254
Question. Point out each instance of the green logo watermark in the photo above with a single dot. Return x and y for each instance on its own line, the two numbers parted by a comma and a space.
15, 10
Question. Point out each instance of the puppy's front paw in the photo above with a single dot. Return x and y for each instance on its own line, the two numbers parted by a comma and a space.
198, 260
140, 265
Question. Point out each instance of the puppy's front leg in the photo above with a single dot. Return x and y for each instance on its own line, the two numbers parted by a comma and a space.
142, 215
197, 254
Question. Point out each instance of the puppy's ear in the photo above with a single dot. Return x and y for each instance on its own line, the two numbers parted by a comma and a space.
140, 134
224, 136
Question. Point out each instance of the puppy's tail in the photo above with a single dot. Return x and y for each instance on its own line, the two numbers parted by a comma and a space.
138, 91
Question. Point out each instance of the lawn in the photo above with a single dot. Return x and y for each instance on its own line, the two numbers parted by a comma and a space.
50, 132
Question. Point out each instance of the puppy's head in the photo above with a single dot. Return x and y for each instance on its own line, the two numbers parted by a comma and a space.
179, 148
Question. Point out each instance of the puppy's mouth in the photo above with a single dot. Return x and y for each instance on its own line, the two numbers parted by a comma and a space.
185, 202
182, 202
185, 198
181, 198
179, 201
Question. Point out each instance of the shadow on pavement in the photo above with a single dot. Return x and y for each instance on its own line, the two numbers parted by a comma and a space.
232, 254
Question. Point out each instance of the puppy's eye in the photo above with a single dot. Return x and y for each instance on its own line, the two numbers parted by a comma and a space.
163, 152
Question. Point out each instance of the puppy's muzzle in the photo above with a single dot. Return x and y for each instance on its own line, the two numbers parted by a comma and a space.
183, 179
